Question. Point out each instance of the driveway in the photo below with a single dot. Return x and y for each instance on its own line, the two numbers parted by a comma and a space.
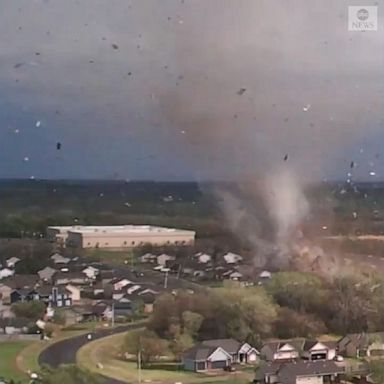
64, 352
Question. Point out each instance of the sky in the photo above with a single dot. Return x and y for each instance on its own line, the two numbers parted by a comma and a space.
189, 90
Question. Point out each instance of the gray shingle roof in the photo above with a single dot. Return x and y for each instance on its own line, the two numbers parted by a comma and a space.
289, 372
230, 346
199, 352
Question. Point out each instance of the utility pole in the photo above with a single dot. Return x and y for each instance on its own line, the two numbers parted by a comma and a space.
113, 315
166, 279
139, 362
178, 272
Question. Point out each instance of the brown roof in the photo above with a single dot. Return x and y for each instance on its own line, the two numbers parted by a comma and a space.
21, 281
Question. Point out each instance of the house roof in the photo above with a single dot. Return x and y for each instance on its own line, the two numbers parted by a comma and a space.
46, 270
59, 259
269, 368
199, 352
289, 372
231, 346
70, 275
21, 281
12, 260
47, 289
362, 340
24, 291
275, 345
309, 344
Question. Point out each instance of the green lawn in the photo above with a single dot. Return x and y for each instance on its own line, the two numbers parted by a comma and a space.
9, 350
104, 351
109, 256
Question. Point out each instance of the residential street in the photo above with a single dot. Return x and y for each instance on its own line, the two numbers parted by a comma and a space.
64, 352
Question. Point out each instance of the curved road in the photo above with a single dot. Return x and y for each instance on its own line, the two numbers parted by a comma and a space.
64, 352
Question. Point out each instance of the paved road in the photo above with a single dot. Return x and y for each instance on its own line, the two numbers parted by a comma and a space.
64, 352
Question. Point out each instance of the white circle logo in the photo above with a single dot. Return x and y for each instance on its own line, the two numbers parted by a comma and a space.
362, 14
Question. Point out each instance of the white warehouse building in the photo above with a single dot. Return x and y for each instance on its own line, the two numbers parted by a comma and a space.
118, 236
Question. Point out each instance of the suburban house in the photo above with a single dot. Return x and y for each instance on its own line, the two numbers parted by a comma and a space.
280, 350
203, 258
217, 354
11, 262
74, 291
232, 258
58, 259
315, 350
55, 296
265, 275
119, 284
163, 258
362, 345
203, 358
123, 308
235, 275
148, 258
316, 372
240, 352
23, 294
91, 272
6, 272
64, 278
46, 273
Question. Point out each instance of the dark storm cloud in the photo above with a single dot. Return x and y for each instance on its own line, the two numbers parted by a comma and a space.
149, 89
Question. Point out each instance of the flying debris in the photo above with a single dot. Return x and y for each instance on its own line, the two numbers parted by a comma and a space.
372, 173
354, 214
26, 158
58, 146
18, 65
306, 107
115, 46
38, 123
183, 132
352, 165
16, 130
286, 157
241, 91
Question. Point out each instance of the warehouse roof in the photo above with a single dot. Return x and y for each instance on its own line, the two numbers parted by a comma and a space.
117, 229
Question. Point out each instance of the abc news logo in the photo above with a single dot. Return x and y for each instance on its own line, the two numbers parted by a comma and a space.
362, 18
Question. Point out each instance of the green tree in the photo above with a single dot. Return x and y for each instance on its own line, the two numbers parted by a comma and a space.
294, 324
180, 344
299, 291
191, 322
147, 343
33, 310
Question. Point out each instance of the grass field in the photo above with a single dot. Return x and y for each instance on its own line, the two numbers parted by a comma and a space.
104, 351
9, 351
27, 359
